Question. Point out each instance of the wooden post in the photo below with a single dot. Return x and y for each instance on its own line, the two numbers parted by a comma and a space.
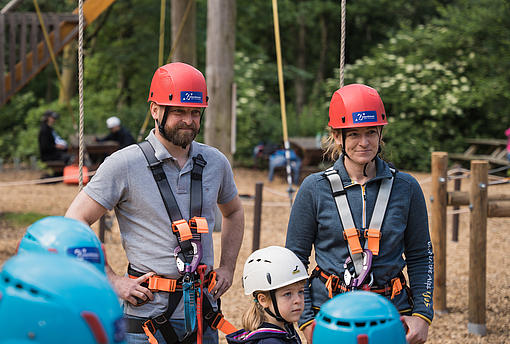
257, 215
478, 247
102, 227
438, 230
455, 216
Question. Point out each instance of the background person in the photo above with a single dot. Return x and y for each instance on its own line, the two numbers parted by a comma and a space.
118, 133
277, 159
350, 251
275, 278
124, 182
51, 146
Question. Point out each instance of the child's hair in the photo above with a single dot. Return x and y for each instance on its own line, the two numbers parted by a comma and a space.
254, 316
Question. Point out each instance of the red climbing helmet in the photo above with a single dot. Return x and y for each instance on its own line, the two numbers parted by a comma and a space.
355, 106
178, 84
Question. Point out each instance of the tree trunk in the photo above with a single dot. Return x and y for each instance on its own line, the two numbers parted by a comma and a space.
221, 19
185, 51
69, 71
319, 76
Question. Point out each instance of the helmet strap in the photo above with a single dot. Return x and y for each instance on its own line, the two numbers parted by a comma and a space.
277, 316
161, 126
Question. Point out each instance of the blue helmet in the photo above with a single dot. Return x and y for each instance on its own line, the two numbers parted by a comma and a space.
358, 317
47, 298
64, 235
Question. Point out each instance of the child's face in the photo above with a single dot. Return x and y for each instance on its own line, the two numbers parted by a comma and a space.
291, 301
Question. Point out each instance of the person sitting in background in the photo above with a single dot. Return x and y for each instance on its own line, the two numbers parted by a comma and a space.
51, 146
277, 159
117, 133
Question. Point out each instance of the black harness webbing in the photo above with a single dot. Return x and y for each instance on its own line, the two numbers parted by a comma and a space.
171, 206
162, 322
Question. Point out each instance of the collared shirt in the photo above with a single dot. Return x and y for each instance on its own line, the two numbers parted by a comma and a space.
124, 183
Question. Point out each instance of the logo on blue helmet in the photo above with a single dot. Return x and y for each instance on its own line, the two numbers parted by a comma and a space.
90, 254
364, 117
191, 97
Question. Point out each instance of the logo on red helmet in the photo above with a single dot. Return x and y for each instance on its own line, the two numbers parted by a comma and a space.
191, 97
364, 117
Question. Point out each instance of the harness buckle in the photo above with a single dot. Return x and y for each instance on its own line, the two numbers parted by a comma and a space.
354, 281
182, 265
352, 236
373, 236
199, 224
182, 227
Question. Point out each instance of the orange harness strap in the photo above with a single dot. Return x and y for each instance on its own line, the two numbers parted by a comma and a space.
182, 227
373, 236
352, 237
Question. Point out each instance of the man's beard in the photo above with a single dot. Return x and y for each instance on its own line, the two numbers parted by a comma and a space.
181, 138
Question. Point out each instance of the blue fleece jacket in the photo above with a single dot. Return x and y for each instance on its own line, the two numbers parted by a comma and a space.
315, 222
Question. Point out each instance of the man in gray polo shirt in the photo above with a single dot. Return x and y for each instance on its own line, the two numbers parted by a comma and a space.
125, 183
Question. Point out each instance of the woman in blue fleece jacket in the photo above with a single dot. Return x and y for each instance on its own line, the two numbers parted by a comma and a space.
340, 240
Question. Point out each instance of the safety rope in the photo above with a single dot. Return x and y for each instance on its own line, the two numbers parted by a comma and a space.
290, 190
342, 43
80, 90
52, 56
161, 49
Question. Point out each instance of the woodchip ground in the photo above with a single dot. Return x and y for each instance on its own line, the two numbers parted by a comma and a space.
53, 199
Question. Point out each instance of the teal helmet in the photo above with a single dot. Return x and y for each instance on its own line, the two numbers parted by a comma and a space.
48, 298
358, 317
64, 235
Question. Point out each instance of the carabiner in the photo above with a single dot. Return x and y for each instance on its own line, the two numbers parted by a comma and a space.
181, 260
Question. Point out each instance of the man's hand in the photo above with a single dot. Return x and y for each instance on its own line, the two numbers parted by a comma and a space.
224, 278
129, 288
308, 333
417, 329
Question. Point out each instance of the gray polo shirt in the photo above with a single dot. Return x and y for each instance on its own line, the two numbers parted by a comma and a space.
124, 182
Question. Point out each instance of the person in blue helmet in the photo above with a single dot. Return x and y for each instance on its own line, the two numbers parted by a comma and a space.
275, 278
48, 298
358, 317
65, 236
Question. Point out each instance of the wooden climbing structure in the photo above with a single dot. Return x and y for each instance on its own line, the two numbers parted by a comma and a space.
23, 49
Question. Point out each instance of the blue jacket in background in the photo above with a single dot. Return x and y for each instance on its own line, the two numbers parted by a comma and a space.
314, 222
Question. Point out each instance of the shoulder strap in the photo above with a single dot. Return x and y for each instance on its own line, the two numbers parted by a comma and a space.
344, 211
196, 186
156, 167
373, 233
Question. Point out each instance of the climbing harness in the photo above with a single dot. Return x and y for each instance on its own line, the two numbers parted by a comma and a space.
357, 267
188, 254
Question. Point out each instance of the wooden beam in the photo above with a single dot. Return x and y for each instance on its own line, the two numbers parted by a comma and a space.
458, 198
499, 209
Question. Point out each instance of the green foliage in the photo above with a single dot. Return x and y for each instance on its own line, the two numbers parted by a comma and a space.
21, 219
431, 84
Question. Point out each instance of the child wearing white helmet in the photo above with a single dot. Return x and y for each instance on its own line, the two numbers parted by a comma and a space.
276, 278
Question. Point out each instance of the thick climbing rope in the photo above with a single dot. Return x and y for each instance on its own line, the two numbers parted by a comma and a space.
290, 190
161, 49
80, 90
342, 42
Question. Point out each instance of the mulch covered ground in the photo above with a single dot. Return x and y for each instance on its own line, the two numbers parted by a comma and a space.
53, 199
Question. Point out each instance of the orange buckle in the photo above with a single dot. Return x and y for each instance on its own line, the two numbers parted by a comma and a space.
149, 332
373, 236
157, 283
396, 287
220, 323
200, 224
352, 237
182, 227
331, 284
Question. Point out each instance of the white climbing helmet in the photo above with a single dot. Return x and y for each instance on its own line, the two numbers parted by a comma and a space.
271, 268
112, 122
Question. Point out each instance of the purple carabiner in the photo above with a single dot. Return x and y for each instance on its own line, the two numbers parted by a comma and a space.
351, 280
184, 267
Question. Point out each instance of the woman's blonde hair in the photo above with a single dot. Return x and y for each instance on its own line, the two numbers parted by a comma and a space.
254, 316
332, 150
